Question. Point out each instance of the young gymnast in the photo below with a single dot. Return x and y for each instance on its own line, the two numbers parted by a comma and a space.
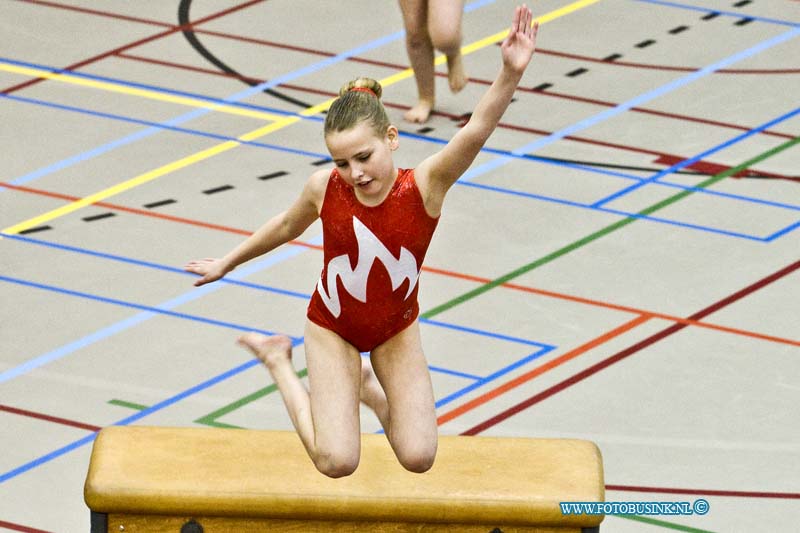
371, 213
432, 25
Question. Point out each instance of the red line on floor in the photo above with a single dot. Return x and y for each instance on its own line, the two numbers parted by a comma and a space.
597, 367
48, 418
548, 93
106, 14
433, 270
134, 44
18, 527
707, 492
539, 370
712, 169
657, 154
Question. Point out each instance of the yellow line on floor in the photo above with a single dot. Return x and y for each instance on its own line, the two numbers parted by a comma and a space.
255, 134
138, 92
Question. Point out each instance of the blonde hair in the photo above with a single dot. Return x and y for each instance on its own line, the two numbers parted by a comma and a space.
359, 101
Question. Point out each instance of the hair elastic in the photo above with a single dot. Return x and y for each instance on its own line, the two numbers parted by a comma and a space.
364, 90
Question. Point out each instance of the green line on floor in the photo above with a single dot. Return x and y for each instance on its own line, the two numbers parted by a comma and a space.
603, 232
129, 405
661, 523
211, 418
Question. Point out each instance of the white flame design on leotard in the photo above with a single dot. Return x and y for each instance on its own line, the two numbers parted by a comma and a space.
354, 281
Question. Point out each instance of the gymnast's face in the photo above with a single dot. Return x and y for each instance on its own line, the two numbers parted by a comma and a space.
364, 160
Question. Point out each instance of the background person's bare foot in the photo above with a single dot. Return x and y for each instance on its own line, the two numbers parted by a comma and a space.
272, 351
456, 76
420, 112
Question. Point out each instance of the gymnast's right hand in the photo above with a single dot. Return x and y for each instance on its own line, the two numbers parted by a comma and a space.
209, 268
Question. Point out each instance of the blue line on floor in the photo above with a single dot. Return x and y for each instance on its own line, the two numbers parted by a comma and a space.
176, 129
738, 15
174, 270
482, 332
455, 373
492, 377
152, 88
616, 212
314, 67
415, 136
285, 78
625, 106
123, 325
698, 157
780, 233
132, 305
146, 264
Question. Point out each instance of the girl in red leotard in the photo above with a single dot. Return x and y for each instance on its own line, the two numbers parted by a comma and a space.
377, 223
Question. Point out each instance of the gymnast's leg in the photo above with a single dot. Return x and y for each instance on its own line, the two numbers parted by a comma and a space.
410, 413
326, 415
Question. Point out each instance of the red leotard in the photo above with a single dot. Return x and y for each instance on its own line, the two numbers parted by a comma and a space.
367, 292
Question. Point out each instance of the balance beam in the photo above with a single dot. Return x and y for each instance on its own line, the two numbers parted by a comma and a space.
204, 480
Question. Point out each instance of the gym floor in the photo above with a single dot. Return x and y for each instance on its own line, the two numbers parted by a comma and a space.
620, 264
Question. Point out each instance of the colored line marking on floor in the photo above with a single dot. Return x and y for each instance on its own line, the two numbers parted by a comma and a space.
687, 162
48, 418
707, 492
128, 405
633, 102
260, 132
662, 523
149, 123
602, 232
211, 419
778, 233
18, 527
113, 329
432, 270
126, 89
718, 12
553, 363
123, 141
605, 363
171, 29
166, 309
123, 303
320, 156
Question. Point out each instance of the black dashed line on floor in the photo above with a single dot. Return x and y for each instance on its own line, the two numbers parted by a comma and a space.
710, 16
645, 44
742, 3
678, 29
34, 230
98, 217
322, 162
742, 22
277, 174
577, 72
426, 129
612, 57
218, 189
543, 86
152, 205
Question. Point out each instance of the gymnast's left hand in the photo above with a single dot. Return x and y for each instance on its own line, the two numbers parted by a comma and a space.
210, 269
519, 45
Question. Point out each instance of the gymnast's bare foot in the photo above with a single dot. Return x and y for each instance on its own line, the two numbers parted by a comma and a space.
420, 112
456, 77
272, 351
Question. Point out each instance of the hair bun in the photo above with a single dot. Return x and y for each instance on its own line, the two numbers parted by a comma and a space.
364, 83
